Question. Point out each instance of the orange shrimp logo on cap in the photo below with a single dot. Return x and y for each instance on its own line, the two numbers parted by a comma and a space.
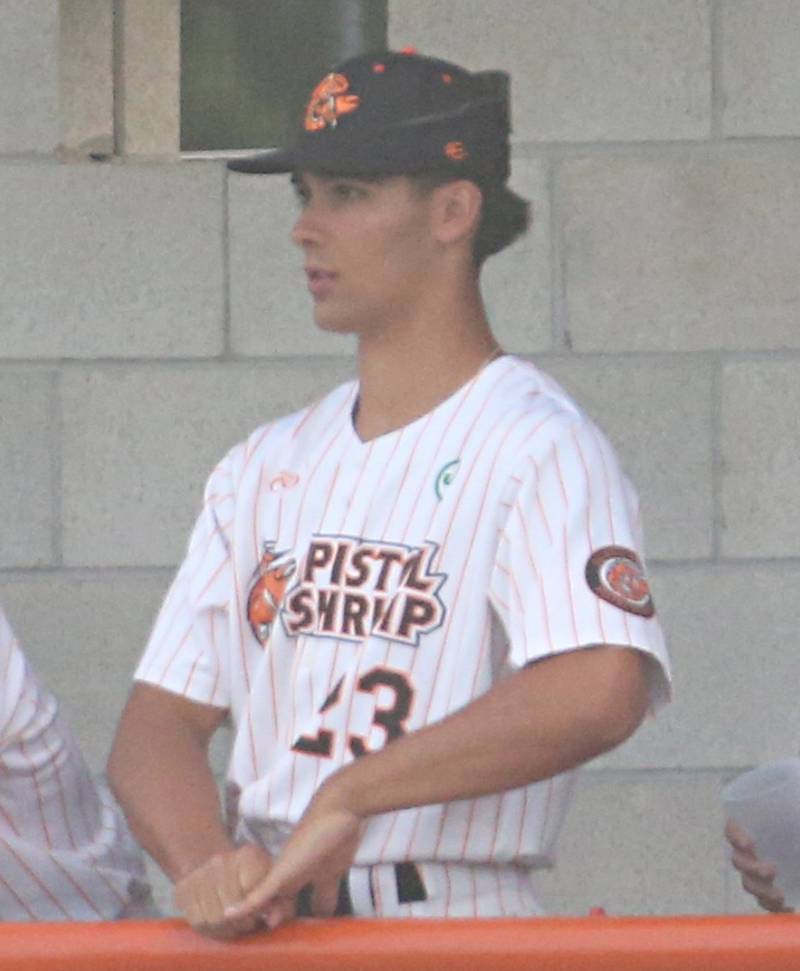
456, 151
266, 594
329, 101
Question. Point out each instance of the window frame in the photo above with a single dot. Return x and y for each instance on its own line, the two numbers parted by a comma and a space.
121, 80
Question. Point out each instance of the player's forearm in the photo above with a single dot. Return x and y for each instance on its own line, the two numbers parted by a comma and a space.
533, 725
174, 816
160, 774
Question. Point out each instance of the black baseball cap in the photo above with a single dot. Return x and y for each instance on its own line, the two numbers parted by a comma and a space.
399, 113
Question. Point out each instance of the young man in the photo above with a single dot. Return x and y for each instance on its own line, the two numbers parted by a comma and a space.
419, 600
65, 851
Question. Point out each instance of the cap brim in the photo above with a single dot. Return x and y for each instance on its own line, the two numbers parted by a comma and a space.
282, 160
265, 163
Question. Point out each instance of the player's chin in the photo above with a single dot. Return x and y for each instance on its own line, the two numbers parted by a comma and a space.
333, 319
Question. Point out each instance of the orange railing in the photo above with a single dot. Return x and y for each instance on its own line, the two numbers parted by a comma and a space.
757, 943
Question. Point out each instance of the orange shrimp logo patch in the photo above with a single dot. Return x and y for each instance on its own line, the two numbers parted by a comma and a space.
329, 101
616, 575
266, 593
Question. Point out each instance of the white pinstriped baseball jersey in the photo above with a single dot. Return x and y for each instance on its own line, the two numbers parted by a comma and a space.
65, 849
338, 593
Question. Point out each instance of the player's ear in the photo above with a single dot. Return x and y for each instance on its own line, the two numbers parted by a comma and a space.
456, 210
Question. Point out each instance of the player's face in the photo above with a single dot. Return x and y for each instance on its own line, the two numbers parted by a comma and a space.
368, 249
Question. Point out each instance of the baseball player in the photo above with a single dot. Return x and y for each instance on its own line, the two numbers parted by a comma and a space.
421, 600
65, 850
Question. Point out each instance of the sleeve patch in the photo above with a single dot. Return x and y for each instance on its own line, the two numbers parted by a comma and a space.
616, 575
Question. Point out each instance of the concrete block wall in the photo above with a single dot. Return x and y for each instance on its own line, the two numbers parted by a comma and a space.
152, 313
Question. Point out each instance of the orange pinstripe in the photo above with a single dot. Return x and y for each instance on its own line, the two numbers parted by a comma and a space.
508, 532
588, 481
36, 879
456, 595
60, 861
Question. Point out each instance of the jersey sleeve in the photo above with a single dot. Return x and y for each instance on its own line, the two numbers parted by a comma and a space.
187, 650
569, 571
65, 850
12, 677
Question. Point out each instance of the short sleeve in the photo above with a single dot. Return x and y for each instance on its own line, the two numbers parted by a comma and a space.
187, 649
569, 570
12, 673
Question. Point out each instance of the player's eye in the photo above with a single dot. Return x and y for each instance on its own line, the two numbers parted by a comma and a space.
347, 191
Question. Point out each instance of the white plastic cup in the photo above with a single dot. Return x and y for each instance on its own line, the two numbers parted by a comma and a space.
765, 803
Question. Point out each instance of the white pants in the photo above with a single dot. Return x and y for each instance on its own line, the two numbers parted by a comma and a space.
452, 890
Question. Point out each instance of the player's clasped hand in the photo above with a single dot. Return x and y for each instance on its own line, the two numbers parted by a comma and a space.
206, 894
319, 852
757, 876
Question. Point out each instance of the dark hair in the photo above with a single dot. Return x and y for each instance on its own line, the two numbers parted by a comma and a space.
505, 216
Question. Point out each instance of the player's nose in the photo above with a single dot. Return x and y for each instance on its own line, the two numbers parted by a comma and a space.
307, 228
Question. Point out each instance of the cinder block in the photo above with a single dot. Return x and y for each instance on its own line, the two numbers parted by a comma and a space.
682, 254
29, 96
761, 451
760, 67
272, 312
620, 70
84, 645
87, 82
139, 444
658, 414
111, 261
636, 844
732, 632
516, 283
27, 468
83, 636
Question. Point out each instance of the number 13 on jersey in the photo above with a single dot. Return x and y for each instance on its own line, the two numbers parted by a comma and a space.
391, 718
